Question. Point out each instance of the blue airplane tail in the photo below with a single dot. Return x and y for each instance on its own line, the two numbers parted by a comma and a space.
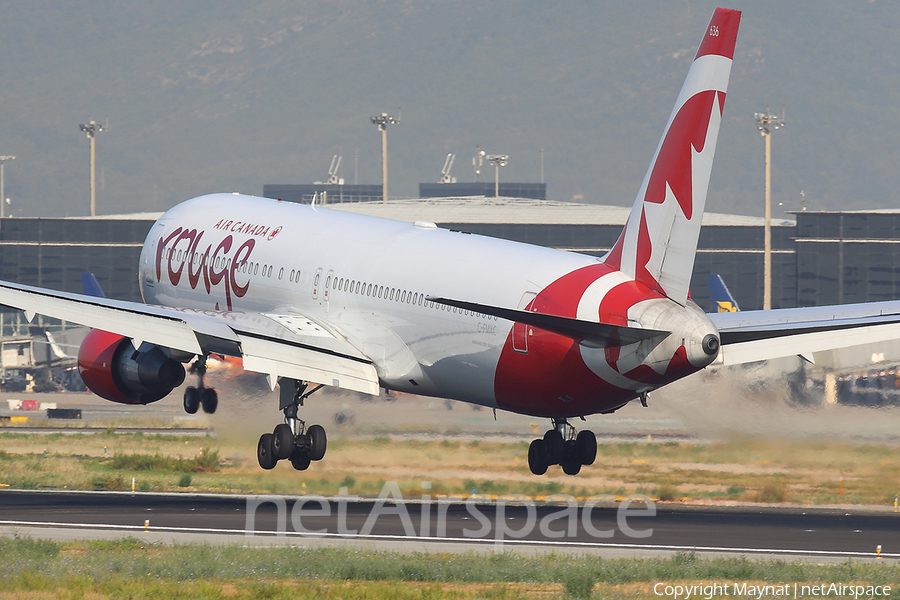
722, 300
91, 287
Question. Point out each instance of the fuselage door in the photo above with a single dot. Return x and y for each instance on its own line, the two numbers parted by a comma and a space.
521, 331
328, 282
317, 281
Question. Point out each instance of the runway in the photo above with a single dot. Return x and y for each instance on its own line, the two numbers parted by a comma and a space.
823, 535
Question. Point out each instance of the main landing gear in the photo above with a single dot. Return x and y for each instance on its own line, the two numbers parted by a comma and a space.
562, 446
292, 440
195, 397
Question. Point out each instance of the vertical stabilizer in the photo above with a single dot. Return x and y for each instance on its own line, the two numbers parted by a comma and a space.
658, 244
722, 300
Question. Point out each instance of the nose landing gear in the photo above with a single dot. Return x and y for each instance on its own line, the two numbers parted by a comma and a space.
562, 446
195, 397
292, 440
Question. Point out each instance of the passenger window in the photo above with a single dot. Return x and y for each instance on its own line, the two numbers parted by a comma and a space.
292, 275
416, 298
392, 293
357, 287
328, 282
316, 282
420, 299
369, 290
280, 272
256, 268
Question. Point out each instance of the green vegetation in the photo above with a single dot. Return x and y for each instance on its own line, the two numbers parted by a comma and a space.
742, 469
134, 569
206, 462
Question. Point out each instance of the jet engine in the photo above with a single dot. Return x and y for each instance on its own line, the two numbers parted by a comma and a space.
113, 369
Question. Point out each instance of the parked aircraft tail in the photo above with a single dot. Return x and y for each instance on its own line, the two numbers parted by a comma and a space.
722, 300
91, 286
658, 244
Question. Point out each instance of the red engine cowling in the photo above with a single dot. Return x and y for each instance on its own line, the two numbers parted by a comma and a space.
112, 368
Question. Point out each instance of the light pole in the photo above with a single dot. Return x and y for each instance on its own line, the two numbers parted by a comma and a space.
498, 160
476, 161
383, 120
91, 130
767, 122
3, 160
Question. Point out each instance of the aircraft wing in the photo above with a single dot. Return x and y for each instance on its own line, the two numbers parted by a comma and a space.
748, 336
278, 345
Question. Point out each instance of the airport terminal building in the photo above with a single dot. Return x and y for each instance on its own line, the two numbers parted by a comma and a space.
821, 258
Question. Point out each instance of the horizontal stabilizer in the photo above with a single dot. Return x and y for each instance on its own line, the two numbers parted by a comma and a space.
750, 336
601, 334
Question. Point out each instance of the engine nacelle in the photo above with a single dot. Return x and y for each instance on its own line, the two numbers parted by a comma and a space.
112, 368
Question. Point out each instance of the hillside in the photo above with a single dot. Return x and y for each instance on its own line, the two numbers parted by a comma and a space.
229, 96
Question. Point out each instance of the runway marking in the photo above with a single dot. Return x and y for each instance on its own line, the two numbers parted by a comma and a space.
482, 541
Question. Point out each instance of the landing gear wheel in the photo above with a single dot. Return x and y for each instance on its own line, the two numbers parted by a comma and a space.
537, 460
317, 442
209, 399
300, 460
571, 462
264, 452
586, 447
571, 468
191, 400
293, 440
282, 441
554, 446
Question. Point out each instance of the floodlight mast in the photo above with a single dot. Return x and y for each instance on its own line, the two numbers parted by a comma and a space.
445, 172
498, 160
333, 179
766, 123
3, 160
477, 160
91, 129
382, 121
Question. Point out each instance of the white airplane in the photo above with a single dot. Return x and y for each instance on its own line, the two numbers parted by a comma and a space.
310, 296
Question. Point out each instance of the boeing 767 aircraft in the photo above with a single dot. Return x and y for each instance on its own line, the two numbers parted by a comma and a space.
313, 297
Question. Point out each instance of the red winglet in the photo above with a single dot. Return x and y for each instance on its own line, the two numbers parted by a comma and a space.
721, 34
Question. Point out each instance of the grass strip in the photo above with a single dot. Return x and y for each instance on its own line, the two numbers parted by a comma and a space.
741, 469
134, 569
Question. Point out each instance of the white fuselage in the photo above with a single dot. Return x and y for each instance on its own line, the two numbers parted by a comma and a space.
364, 278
